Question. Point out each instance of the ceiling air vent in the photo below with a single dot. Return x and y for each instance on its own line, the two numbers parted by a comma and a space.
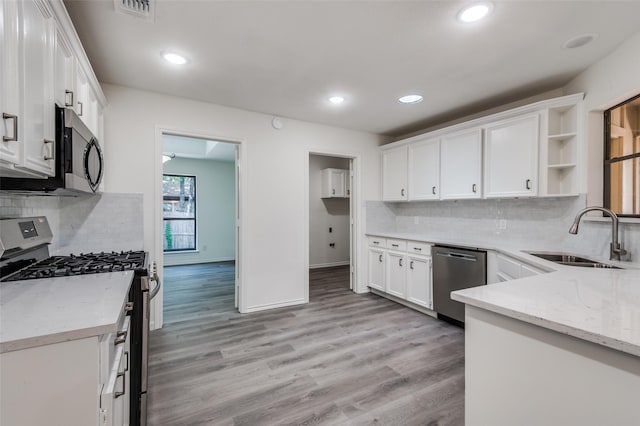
144, 9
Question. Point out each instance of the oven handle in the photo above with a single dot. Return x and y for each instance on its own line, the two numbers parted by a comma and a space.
155, 278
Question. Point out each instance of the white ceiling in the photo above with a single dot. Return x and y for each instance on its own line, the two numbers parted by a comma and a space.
201, 149
286, 58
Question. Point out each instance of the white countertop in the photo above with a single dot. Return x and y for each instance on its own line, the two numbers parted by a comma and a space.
53, 310
597, 305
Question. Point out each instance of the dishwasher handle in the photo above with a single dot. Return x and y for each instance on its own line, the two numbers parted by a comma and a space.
460, 256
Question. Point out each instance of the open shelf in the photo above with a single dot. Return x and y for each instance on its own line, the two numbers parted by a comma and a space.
563, 120
561, 181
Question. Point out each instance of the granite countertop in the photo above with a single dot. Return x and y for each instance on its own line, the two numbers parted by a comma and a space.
53, 310
597, 305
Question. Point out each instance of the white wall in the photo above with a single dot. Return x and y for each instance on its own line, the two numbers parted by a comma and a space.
215, 210
325, 213
606, 83
275, 179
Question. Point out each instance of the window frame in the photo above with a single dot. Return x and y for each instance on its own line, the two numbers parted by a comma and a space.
195, 215
608, 161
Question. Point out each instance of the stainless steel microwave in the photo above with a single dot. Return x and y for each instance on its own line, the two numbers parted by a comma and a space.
79, 163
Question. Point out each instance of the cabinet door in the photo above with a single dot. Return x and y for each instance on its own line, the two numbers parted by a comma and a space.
376, 269
37, 65
461, 165
112, 396
338, 183
11, 137
64, 72
396, 274
394, 174
424, 170
511, 157
419, 281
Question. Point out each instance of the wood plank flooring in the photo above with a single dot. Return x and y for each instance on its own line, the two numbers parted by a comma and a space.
343, 359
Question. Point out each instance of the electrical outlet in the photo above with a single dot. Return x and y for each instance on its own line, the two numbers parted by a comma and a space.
502, 224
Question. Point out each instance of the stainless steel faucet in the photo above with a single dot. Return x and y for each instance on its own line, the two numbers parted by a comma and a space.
616, 249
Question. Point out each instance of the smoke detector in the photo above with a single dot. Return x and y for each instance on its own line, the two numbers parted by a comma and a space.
144, 9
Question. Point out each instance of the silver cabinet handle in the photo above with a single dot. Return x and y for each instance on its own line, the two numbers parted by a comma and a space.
399, 262
6, 116
402, 192
528, 184
126, 368
380, 258
411, 265
81, 109
348, 192
333, 192
474, 188
417, 248
433, 190
124, 386
68, 94
53, 154
121, 337
376, 242
394, 245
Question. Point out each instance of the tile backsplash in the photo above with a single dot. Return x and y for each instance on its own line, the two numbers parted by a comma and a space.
87, 223
532, 224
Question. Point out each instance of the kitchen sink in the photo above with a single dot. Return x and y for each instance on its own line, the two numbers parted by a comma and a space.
571, 260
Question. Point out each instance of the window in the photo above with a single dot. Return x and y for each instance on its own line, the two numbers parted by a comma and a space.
622, 158
179, 212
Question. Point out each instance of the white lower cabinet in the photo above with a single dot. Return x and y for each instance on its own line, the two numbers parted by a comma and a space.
376, 268
396, 274
419, 281
78, 382
402, 269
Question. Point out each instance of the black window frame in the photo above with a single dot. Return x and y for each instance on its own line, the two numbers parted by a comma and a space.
607, 153
195, 215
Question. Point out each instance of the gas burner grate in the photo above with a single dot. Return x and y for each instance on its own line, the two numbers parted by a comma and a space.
82, 264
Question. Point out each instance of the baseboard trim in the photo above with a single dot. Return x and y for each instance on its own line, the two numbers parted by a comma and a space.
178, 262
406, 303
268, 306
329, 265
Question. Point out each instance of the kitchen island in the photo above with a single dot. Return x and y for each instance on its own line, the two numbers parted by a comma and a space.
559, 349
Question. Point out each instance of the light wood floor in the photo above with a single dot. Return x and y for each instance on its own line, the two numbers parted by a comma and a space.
343, 359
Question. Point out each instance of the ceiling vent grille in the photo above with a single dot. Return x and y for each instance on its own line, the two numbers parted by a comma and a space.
144, 9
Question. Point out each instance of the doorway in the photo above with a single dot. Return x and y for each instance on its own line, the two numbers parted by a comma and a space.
331, 223
198, 228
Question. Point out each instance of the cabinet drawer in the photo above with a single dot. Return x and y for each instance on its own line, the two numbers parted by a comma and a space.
399, 245
415, 247
377, 242
508, 266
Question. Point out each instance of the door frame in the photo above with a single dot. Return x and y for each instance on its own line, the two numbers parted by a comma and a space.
355, 202
156, 320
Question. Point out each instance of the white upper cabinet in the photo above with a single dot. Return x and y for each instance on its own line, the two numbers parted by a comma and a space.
424, 170
334, 183
511, 157
30, 70
64, 86
461, 164
394, 174
11, 142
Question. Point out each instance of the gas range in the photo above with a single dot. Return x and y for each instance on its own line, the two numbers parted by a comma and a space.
61, 266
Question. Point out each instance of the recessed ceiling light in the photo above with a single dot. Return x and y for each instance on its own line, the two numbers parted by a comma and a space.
336, 100
475, 12
410, 99
579, 41
174, 58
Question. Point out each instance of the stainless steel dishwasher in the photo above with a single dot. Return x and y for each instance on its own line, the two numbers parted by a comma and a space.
454, 269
